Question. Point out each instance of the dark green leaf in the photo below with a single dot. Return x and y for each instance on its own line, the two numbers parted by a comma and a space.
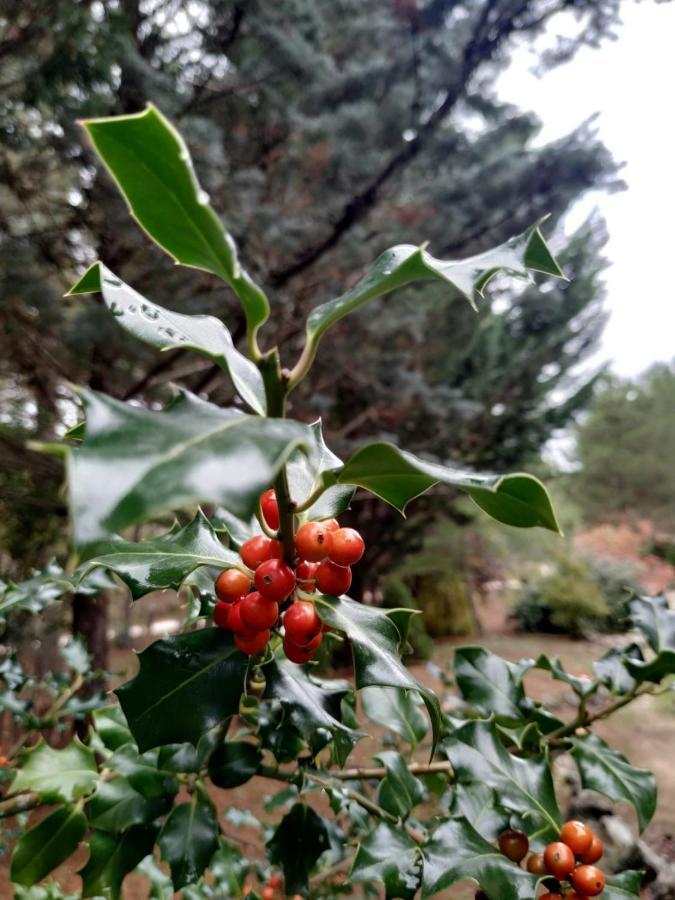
45, 846
655, 619
306, 473
136, 462
489, 682
116, 806
655, 670
164, 562
112, 857
142, 772
36, 593
178, 758
609, 772
478, 804
388, 856
456, 851
395, 709
375, 641
151, 165
583, 687
186, 685
524, 785
398, 477
111, 726
233, 763
299, 840
399, 791
166, 329
189, 838
611, 668
624, 886
57, 774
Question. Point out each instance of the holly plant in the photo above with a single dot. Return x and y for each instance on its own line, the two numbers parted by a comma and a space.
453, 792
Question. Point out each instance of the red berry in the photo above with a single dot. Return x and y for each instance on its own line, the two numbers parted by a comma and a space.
270, 509
313, 541
536, 864
514, 845
275, 881
559, 860
255, 645
221, 613
549, 896
313, 645
594, 852
258, 613
268, 893
333, 579
347, 547
577, 836
297, 654
232, 584
275, 580
331, 524
301, 623
305, 573
588, 880
258, 549
236, 623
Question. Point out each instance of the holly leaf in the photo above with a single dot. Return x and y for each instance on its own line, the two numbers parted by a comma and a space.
185, 685
111, 857
312, 704
57, 775
655, 670
582, 687
406, 263
163, 563
375, 641
477, 803
36, 593
142, 772
299, 840
655, 619
152, 167
111, 726
168, 330
395, 709
189, 838
489, 682
136, 462
388, 856
116, 806
397, 477
624, 886
233, 763
45, 846
609, 772
306, 473
456, 852
524, 785
399, 791
611, 669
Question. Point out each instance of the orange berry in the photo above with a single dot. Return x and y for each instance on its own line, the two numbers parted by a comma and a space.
221, 615
577, 836
232, 584
594, 852
559, 860
514, 845
588, 880
253, 646
347, 547
333, 579
313, 541
258, 549
270, 509
536, 864
331, 524
268, 893
257, 613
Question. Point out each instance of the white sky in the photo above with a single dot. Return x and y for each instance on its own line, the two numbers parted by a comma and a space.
631, 83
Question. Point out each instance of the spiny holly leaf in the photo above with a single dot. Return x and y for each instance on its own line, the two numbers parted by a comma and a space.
136, 462
624, 886
186, 684
655, 619
611, 668
655, 670
395, 709
166, 329
233, 763
306, 473
45, 846
299, 840
116, 806
111, 726
375, 641
406, 263
583, 687
189, 838
164, 562
524, 785
388, 856
151, 165
399, 791
111, 857
478, 803
456, 851
311, 703
143, 773
45, 588
609, 772
489, 682
57, 774
398, 477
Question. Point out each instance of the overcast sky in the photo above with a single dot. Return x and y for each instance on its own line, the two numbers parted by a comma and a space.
630, 83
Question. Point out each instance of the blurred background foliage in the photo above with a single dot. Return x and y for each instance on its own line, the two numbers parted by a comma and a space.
326, 131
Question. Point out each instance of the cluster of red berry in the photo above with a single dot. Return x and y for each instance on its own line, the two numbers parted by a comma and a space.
325, 553
569, 860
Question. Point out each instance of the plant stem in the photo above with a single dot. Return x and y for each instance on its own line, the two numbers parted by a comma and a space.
20, 803
584, 718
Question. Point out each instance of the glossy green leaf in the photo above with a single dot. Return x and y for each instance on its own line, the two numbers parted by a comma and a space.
524, 785
306, 473
406, 263
151, 165
395, 709
489, 682
399, 791
142, 772
375, 642
388, 856
186, 684
233, 763
655, 669
311, 704
299, 840
45, 846
609, 772
583, 687
478, 804
116, 806
47, 587
611, 669
163, 563
624, 886
655, 619
398, 477
179, 757
136, 462
189, 838
168, 330
456, 851
112, 857
57, 774
111, 726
